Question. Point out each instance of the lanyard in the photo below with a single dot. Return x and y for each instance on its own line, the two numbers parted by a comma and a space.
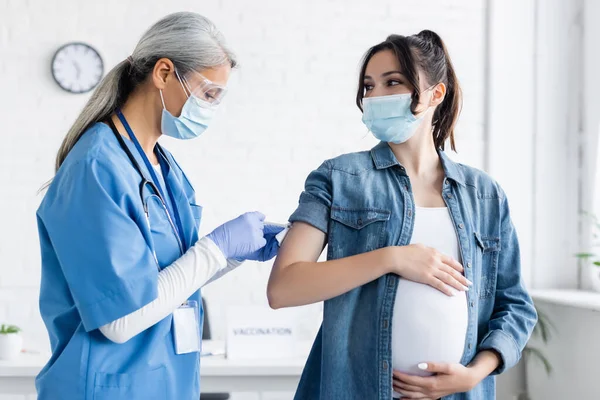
165, 170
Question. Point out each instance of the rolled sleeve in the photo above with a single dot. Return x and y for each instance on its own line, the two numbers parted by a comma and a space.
504, 345
129, 298
314, 206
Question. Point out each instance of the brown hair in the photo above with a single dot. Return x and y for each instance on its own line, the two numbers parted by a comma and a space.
426, 52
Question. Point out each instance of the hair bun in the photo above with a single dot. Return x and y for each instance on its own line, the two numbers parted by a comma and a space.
431, 37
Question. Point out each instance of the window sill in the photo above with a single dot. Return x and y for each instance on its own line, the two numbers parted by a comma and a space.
570, 298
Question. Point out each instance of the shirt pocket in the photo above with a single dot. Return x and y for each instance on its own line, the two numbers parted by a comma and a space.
196, 213
356, 230
488, 249
139, 385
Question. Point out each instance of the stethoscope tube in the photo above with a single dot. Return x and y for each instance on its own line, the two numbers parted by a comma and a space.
146, 182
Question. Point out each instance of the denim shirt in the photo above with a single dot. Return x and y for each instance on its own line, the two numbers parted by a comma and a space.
363, 202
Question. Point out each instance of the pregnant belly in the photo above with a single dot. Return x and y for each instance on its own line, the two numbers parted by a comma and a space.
427, 326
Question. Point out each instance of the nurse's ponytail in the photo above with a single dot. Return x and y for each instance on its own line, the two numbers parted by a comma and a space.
103, 102
189, 40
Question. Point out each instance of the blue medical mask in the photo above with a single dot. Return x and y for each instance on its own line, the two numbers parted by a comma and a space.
193, 121
390, 118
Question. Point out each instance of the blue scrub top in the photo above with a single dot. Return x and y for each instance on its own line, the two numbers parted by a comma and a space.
98, 265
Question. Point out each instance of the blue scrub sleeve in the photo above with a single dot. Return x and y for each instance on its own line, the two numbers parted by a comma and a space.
107, 263
314, 206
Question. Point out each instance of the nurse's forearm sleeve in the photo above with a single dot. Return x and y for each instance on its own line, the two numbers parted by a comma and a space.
231, 265
202, 263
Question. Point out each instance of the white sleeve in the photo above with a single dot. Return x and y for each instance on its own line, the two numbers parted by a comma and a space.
202, 263
231, 265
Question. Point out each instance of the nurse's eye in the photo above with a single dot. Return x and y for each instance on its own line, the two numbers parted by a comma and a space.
368, 87
212, 95
394, 82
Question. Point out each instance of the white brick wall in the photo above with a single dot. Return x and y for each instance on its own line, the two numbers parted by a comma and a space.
291, 105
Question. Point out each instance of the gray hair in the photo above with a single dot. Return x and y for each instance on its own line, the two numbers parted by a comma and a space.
189, 40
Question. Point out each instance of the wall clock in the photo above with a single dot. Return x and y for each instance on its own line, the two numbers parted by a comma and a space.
77, 67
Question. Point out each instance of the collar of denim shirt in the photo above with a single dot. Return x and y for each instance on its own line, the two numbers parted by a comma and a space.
384, 157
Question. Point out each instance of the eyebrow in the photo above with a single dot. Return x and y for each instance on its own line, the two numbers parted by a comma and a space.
385, 74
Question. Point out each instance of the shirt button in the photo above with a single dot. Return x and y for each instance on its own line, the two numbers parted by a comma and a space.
472, 304
470, 346
468, 265
385, 324
460, 226
449, 195
445, 181
385, 365
409, 213
359, 222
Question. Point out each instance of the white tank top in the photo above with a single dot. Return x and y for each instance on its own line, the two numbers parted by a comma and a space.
428, 325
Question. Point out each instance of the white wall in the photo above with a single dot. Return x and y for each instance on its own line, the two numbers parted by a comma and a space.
572, 352
558, 131
591, 123
510, 106
290, 106
534, 134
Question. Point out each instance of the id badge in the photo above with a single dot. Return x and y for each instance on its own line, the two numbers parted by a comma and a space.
186, 328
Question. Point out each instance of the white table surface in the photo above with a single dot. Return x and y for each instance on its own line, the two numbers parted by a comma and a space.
218, 374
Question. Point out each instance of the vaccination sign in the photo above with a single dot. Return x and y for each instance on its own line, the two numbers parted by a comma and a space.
259, 332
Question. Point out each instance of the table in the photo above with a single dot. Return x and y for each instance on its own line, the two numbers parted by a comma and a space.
218, 374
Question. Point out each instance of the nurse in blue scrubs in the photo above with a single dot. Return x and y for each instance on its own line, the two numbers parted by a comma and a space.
122, 261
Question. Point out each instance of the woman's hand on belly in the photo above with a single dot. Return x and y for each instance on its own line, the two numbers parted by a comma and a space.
422, 264
448, 379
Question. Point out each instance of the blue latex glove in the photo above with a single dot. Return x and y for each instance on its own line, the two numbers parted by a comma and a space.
271, 248
240, 237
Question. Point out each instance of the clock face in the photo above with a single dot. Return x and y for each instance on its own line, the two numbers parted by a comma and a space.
77, 67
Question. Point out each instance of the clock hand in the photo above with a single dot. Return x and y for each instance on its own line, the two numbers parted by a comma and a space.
77, 69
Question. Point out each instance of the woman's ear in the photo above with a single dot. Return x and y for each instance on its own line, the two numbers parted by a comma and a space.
162, 72
438, 94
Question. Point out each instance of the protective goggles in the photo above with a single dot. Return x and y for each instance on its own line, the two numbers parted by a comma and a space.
206, 91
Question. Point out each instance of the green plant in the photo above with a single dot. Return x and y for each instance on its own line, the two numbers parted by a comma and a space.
586, 255
6, 329
542, 330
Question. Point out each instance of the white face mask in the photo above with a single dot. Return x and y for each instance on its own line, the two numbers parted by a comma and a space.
390, 118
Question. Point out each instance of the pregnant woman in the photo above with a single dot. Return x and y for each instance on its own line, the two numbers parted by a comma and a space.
422, 287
